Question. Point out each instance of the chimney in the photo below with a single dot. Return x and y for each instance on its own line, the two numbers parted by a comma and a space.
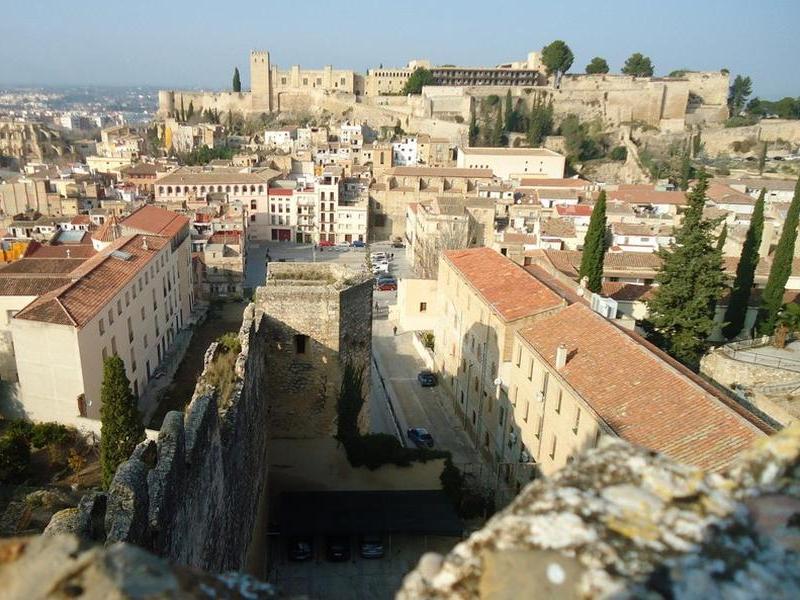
144, 243
561, 356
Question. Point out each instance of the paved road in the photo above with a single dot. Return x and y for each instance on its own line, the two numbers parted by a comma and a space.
416, 406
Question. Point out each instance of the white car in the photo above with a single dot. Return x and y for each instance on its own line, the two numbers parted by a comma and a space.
378, 257
380, 268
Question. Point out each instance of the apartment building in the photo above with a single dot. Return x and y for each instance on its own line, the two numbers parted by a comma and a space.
507, 163
223, 261
535, 376
130, 299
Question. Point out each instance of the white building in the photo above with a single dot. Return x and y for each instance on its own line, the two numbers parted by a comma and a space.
507, 163
405, 153
280, 139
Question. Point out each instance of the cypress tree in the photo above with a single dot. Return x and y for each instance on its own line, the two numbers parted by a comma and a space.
594, 246
690, 282
190, 112
497, 132
121, 426
237, 82
772, 298
508, 123
736, 312
183, 111
473, 130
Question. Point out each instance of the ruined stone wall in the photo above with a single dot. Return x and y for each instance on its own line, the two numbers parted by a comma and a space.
194, 496
721, 140
170, 101
315, 320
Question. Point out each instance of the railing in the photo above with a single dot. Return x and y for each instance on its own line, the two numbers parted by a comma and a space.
778, 388
744, 351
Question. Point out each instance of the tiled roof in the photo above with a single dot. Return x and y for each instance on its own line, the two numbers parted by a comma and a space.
30, 286
633, 263
81, 250
505, 286
81, 220
641, 397
578, 210
491, 151
225, 237
513, 237
199, 176
565, 183
558, 228
39, 266
109, 231
626, 292
152, 219
635, 194
95, 283
723, 194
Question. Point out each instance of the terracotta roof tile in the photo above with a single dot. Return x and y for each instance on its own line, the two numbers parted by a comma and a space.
153, 219
644, 399
505, 286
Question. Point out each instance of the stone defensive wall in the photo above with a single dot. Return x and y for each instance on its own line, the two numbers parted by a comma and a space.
197, 496
169, 101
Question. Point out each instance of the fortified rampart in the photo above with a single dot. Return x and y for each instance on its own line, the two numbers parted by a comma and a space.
197, 495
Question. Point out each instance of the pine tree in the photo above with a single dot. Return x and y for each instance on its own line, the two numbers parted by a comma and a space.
736, 312
723, 236
772, 298
690, 282
237, 82
497, 132
508, 123
121, 426
594, 247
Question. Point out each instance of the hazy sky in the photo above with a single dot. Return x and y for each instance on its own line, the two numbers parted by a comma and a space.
175, 43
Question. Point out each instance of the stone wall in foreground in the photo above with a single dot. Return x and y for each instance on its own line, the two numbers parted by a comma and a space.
622, 522
193, 496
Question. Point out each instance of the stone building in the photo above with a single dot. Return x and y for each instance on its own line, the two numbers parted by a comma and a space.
506, 163
317, 318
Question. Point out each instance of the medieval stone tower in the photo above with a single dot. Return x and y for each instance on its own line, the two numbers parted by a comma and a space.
260, 84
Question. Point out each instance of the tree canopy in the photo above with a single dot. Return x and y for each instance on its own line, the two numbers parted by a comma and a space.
237, 81
739, 92
772, 297
594, 247
418, 79
786, 108
736, 312
557, 59
638, 65
690, 282
597, 66
121, 426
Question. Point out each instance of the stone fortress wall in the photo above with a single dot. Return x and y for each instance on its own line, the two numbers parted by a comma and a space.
197, 495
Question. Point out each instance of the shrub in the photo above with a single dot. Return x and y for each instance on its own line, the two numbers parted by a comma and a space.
428, 339
492, 99
47, 434
230, 342
15, 455
619, 153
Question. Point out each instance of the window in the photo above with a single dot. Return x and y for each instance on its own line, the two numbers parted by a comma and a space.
577, 421
142, 311
110, 317
105, 354
130, 330
144, 339
423, 306
553, 448
530, 369
514, 396
558, 402
119, 307
545, 381
527, 407
135, 386
300, 341
133, 361
540, 427
475, 383
127, 298
102, 326
113, 345
519, 355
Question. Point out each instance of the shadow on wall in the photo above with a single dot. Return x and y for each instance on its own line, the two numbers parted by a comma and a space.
10, 403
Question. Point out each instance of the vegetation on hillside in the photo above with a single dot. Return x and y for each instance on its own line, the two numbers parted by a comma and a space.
418, 79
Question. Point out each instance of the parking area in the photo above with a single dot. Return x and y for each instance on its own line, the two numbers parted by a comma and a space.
376, 578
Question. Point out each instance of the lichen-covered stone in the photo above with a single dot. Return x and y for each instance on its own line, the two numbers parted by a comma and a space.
621, 522
62, 566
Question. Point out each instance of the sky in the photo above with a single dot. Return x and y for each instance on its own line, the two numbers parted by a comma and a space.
177, 43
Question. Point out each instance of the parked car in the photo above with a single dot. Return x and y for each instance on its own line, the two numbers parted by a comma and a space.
359, 244
370, 546
426, 379
337, 548
383, 277
420, 437
378, 256
398, 243
387, 286
380, 268
300, 548
325, 244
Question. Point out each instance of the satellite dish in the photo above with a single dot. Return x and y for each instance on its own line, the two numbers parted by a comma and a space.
498, 381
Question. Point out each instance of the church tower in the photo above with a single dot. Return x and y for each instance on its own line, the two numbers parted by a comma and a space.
260, 92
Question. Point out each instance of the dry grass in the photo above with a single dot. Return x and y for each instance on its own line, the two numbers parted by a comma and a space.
221, 373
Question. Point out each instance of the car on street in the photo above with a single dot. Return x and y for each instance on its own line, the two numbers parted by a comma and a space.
300, 548
370, 546
380, 268
398, 243
426, 378
384, 277
387, 286
325, 244
378, 257
420, 437
359, 244
337, 548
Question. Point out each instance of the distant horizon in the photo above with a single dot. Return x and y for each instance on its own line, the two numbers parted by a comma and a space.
179, 45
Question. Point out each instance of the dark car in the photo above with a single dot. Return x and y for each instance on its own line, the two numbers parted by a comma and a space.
300, 548
387, 286
337, 548
398, 243
359, 244
370, 546
426, 379
420, 437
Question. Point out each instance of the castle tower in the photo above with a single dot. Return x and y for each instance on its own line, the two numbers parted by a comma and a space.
260, 92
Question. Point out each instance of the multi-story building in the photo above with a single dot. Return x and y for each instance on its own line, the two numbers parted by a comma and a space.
507, 163
536, 376
278, 139
223, 265
131, 299
404, 152
183, 137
